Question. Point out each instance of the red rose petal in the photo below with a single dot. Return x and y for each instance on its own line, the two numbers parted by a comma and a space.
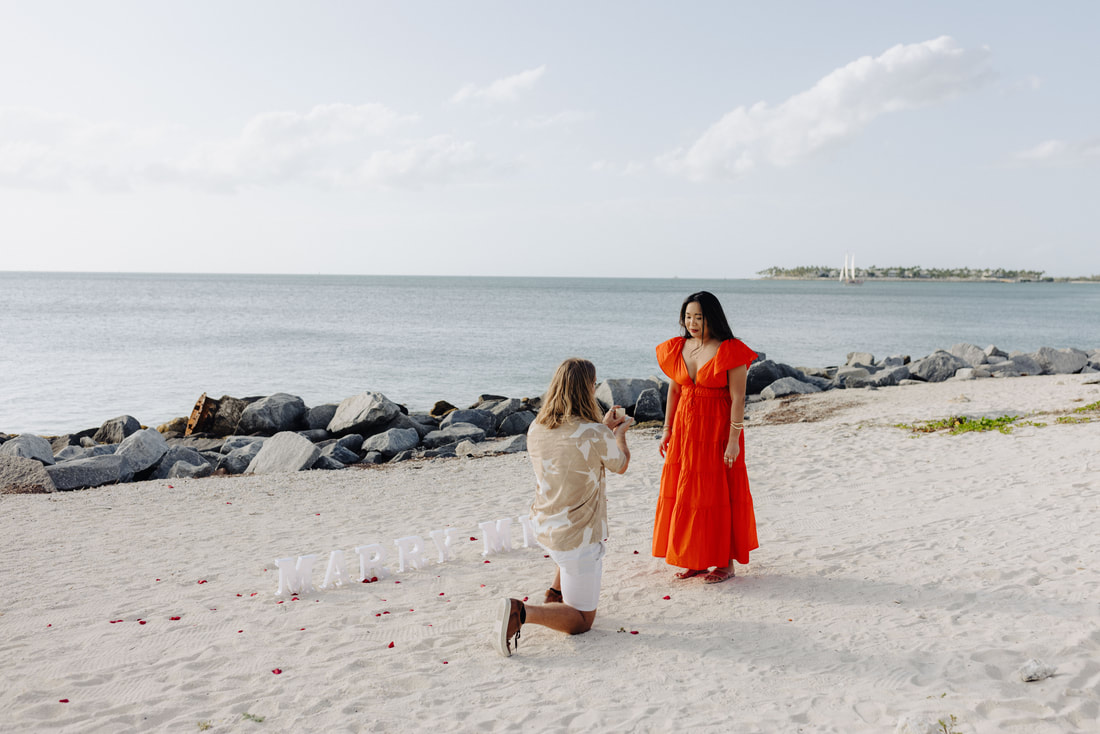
441, 593
472, 538
635, 552
203, 581
385, 612
444, 662
228, 503
397, 582
174, 619
633, 632
239, 631
525, 598
666, 598
62, 700
301, 629
389, 645
239, 595
277, 671
170, 487
373, 578
546, 556
141, 621
318, 514
378, 615
486, 561
254, 593
49, 625
483, 586
412, 610
279, 602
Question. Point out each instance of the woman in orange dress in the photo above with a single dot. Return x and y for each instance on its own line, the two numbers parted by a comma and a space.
704, 512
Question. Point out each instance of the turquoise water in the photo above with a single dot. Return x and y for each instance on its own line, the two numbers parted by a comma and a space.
78, 348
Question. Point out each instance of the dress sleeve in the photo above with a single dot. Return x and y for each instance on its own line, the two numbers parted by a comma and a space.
732, 354
668, 355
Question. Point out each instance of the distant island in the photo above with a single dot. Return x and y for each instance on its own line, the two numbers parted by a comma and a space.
916, 272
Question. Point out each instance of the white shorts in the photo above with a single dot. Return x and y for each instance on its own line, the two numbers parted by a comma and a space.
581, 571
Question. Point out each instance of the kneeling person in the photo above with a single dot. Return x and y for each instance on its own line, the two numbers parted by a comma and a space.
570, 446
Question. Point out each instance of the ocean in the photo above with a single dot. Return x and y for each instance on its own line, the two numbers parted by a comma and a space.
79, 348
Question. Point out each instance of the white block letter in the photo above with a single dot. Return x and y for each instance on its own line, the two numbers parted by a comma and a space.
295, 577
371, 558
528, 531
443, 540
337, 572
497, 536
410, 550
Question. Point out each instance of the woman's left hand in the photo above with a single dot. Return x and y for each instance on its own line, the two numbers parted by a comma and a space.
733, 450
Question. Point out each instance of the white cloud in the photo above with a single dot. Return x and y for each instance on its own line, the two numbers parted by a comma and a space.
561, 119
1062, 152
502, 90
330, 145
835, 109
631, 168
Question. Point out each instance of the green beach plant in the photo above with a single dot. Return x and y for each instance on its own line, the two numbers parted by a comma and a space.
957, 424
252, 717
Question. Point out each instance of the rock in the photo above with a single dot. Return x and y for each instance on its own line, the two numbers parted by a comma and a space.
1007, 373
885, 377
516, 423
661, 385
403, 456
486, 398
1061, 361
862, 358
362, 413
1025, 364
511, 445
621, 392
480, 418
1034, 670
969, 353
788, 386
29, 446
142, 449
764, 372
237, 460
533, 404
392, 442
73, 439
971, 373
649, 407
177, 426
327, 463
441, 409
200, 444
232, 443
341, 454
228, 415
453, 434
273, 414
191, 461
284, 452
373, 457
22, 475
320, 416
895, 360
117, 429
852, 376
443, 452
316, 435
936, 367
352, 442
822, 383
403, 421
94, 471
505, 408
992, 351
71, 452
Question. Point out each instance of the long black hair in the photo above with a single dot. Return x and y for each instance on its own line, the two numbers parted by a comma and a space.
713, 315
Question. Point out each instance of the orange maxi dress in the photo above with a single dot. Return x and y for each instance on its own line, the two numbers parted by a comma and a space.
704, 512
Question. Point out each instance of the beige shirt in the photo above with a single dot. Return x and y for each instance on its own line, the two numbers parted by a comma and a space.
570, 507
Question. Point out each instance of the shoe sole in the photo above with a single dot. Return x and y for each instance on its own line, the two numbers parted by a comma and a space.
504, 612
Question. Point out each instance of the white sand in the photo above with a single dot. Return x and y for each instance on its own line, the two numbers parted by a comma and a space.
897, 575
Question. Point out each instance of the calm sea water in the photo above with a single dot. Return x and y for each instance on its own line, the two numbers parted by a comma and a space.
78, 348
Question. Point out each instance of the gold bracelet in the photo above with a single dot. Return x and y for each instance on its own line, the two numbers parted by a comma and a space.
738, 426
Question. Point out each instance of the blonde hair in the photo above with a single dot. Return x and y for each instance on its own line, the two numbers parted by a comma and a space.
571, 394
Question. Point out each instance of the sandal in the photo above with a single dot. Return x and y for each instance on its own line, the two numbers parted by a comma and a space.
717, 576
553, 596
690, 573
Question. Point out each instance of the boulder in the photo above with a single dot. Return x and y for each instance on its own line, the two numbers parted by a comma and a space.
339, 453
142, 449
198, 443
73, 439
510, 445
1061, 361
320, 416
352, 442
649, 407
971, 373
29, 446
362, 413
403, 421
621, 392
1025, 364
885, 377
373, 457
936, 367
443, 452
94, 471
117, 429
764, 372
661, 385
20, 475
403, 456
237, 460
453, 434
316, 435
232, 443
788, 386
284, 452
441, 408
71, 452
516, 423
181, 455
327, 463
864, 358
273, 414
852, 376
185, 470
505, 408
822, 382
487, 398
176, 427
992, 351
392, 442
228, 415
483, 419
969, 353
895, 360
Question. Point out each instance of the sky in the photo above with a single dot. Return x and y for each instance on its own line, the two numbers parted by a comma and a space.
605, 139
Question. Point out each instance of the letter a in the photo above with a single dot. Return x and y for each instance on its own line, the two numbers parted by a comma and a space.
337, 572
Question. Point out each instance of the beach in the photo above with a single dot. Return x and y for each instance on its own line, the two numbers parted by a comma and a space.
899, 575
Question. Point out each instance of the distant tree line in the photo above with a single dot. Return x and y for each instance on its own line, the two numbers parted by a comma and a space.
916, 272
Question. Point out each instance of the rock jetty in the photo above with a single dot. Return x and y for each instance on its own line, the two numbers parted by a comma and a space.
280, 433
